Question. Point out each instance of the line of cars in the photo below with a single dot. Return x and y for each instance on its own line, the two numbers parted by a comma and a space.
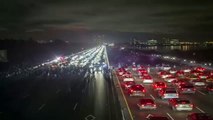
188, 78
175, 82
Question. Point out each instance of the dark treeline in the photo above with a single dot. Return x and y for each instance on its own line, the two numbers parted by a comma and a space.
24, 53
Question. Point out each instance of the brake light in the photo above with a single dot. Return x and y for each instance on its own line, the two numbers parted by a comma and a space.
210, 88
176, 105
154, 105
194, 89
144, 90
191, 105
131, 90
142, 105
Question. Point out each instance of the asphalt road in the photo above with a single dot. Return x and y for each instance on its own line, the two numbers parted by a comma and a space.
40, 97
73, 94
202, 101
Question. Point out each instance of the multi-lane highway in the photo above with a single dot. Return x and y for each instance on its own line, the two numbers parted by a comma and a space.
202, 101
72, 87
81, 87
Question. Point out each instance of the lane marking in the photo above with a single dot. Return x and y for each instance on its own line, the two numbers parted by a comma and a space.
75, 106
122, 113
57, 91
201, 92
148, 116
200, 110
41, 107
152, 96
130, 113
170, 116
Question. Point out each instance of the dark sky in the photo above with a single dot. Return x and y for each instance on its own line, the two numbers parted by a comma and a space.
45, 18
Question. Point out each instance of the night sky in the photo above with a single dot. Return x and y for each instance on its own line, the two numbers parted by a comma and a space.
44, 19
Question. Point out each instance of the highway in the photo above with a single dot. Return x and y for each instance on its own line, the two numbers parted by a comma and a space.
202, 101
74, 87
72, 92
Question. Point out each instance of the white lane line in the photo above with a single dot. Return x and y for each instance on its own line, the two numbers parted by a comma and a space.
201, 92
152, 96
57, 91
148, 116
122, 113
41, 107
170, 116
200, 110
75, 106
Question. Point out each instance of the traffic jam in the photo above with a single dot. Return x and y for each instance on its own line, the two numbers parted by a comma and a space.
165, 92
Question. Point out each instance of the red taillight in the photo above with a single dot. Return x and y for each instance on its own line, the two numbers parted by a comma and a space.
142, 105
191, 105
144, 90
131, 90
194, 89
176, 105
154, 105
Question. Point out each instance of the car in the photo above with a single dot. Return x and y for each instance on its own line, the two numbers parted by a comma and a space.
173, 71
200, 69
192, 77
199, 116
156, 117
127, 74
146, 103
177, 82
126, 68
141, 67
165, 67
198, 83
195, 72
180, 73
120, 71
143, 75
127, 84
168, 93
186, 70
165, 75
142, 71
170, 79
128, 79
147, 79
209, 78
179, 104
136, 90
203, 75
162, 72
209, 88
159, 85
186, 88
134, 68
